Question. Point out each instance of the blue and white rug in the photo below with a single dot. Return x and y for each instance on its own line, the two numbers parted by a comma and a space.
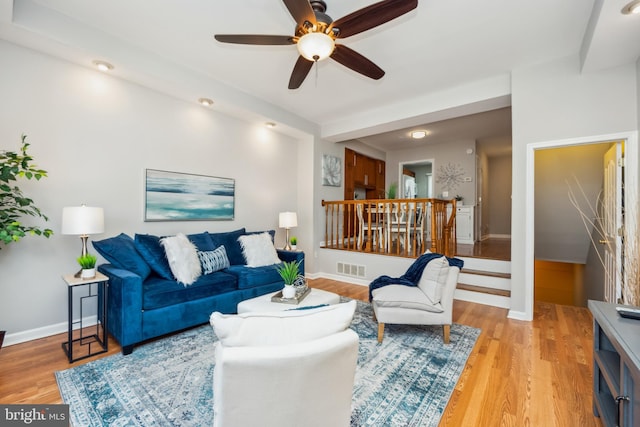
405, 381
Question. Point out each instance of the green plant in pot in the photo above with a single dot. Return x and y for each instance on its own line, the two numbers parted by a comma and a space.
393, 189
289, 271
294, 242
14, 206
88, 264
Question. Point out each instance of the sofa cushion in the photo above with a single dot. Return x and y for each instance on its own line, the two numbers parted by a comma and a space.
149, 247
202, 241
160, 292
183, 259
404, 297
253, 277
434, 279
281, 328
232, 246
121, 252
215, 260
154, 254
258, 250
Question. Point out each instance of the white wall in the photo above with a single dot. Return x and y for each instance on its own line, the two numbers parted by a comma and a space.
443, 154
498, 198
560, 233
553, 101
95, 135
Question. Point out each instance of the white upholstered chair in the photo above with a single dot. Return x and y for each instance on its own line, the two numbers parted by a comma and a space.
291, 368
429, 303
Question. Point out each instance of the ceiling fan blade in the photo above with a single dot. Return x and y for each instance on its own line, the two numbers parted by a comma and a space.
300, 71
372, 16
352, 59
301, 11
254, 39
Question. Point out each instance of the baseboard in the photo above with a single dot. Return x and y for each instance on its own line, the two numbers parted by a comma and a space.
519, 315
45, 331
497, 236
340, 278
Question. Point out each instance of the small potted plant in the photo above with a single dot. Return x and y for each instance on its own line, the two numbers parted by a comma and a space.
88, 264
294, 243
288, 271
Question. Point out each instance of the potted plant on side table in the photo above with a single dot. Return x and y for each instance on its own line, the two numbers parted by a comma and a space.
88, 264
294, 243
288, 271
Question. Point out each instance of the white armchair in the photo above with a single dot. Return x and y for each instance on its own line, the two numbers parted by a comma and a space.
289, 368
428, 303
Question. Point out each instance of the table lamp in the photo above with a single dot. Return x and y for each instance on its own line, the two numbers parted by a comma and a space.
83, 221
288, 220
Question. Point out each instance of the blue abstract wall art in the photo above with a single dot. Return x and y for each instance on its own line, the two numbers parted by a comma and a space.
174, 196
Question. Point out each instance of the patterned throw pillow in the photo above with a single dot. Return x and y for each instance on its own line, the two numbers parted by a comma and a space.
212, 261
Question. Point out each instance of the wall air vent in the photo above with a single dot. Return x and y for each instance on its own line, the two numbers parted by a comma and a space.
351, 270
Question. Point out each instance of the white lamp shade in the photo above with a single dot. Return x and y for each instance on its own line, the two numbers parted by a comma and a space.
288, 219
82, 220
315, 46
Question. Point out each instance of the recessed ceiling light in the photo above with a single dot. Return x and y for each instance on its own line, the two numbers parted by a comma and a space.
270, 125
102, 65
206, 102
632, 8
419, 134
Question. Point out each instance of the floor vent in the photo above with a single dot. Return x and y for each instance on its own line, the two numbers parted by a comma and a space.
351, 270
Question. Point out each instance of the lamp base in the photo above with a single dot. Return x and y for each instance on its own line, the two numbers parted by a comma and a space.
287, 246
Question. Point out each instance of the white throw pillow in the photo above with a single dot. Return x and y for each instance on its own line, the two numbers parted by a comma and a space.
434, 278
281, 327
258, 250
183, 258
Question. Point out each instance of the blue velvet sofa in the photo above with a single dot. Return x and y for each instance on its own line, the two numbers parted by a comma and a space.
145, 301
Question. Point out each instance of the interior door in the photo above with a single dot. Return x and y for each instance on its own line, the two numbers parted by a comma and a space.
612, 223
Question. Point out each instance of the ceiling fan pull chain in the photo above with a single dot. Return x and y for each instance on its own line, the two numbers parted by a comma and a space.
316, 66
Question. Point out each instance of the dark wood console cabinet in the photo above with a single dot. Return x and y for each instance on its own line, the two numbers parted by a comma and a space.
616, 366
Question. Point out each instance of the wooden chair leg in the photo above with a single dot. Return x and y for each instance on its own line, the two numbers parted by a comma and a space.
446, 329
380, 332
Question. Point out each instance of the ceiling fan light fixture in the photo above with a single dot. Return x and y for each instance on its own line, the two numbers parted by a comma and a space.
316, 46
632, 8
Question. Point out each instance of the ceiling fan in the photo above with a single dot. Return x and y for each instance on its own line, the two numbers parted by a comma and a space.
316, 33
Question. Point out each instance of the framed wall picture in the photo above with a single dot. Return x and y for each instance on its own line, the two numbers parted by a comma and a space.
174, 196
331, 170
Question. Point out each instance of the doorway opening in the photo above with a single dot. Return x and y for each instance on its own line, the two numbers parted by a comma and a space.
629, 174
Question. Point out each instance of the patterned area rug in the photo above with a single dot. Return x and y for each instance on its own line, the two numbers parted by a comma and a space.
406, 381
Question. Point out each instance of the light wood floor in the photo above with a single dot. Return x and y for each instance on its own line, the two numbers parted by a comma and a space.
519, 374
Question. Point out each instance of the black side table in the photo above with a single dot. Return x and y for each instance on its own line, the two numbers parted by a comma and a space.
85, 341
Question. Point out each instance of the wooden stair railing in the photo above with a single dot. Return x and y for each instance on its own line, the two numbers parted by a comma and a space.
390, 226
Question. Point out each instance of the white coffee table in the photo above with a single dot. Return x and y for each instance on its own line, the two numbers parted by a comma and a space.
264, 303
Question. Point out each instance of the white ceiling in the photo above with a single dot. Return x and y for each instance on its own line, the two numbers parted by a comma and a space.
439, 45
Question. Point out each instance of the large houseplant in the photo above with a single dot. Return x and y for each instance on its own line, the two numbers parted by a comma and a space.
13, 204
